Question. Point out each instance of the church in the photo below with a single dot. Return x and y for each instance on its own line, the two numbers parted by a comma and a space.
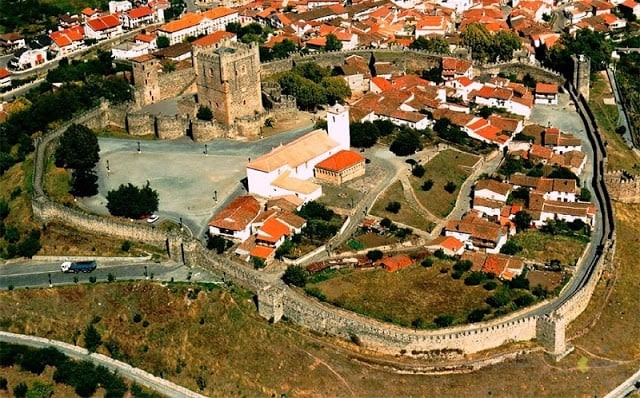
289, 169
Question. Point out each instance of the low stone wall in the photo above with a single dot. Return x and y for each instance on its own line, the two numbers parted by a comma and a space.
140, 123
171, 127
622, 186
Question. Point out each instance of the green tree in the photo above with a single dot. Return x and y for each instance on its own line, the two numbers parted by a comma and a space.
363, 135
295, 275
585, 195
283, 49
438, 45
522, 220
393, 207
204, 113
162, 42
92, 339
4, 209
30, 245
374, 255
84, 182
418, 170
427, 185
443, 321
505, 42
332, 44
406, 143
131, 201
563, 172
336, 89
479, 40
511, 248
78, 148
450, 187
311, 71
585, 42
20, 390
308, 94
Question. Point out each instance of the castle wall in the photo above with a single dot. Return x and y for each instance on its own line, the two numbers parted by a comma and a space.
175, 83
171, 127
623, 187
140, 123
202, 130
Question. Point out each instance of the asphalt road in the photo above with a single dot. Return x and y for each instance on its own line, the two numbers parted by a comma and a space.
39, 274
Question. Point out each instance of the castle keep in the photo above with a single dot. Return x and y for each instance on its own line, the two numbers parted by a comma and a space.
228, 82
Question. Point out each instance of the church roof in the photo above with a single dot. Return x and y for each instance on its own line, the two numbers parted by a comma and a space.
297, 152
340, 161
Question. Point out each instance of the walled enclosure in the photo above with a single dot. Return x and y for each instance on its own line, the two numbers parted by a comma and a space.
277, 300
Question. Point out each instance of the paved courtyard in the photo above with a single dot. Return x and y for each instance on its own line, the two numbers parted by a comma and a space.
185, 177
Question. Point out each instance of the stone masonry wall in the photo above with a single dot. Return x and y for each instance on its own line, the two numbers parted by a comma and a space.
623, 186
171, 127
175, 83
141, 123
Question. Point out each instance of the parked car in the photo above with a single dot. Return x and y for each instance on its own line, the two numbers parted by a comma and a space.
153, 218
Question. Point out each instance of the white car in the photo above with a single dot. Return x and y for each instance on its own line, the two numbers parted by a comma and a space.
153, 218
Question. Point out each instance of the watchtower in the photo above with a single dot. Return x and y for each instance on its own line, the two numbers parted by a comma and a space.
338, 125
145, 78
228, 81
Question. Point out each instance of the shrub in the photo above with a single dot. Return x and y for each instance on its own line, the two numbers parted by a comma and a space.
20, 391
145, 323
295, 275
393, 207
501, 298
444, 320
457, 274
204, 113
92, 338
137, 318
418, 323
386, 223
477, 315
490, 285
92, 279
450, 187
258, 263
374, 255
315, 292
524, 300
427, 262
440, 254
3, 383
511, 247
126, 245
427, 185
475, 278
418, 170
111, 277
462, 265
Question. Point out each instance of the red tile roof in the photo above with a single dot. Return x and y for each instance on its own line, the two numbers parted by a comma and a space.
237, 215
218, 12
545, 88
341, 161
382, 83
272, 231
263, 252
140, 12
67, 36
213, 38
147, 38
4, 73
395, 263
103, 23
187, 21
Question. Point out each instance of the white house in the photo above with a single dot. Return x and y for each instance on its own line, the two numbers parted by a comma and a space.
104, 27
287, 169
119, 6
477, 233
66, 41
5, 78
492, 189
129, 50
28, 58
432, 25
235, 220
139, 16
194, 25
505, 98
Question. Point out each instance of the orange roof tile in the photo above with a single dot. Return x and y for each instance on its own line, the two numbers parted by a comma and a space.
545, 88
395, 263
103, 23
213, 38
218, 12
382, 83
140, 12
263, 252
188, 20
4, 73
272, 231
341, 161
147, 38
237, 214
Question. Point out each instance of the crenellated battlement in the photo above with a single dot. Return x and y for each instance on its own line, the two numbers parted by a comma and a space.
623, 186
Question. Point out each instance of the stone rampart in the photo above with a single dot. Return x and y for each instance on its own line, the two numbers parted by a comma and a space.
141, 123
623, 186
171, 127
539, 73
175, 83
203, 130
390, 339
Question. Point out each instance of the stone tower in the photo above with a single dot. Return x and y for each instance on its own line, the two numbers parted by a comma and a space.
581, 74
228, 81
145, 78
338, 125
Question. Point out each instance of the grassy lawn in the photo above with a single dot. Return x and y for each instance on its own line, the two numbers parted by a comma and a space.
368, 240
57, 183
115, 132
407, 214
404, 295
546, 247
618, 155
447, 166
339, 196
619, 321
